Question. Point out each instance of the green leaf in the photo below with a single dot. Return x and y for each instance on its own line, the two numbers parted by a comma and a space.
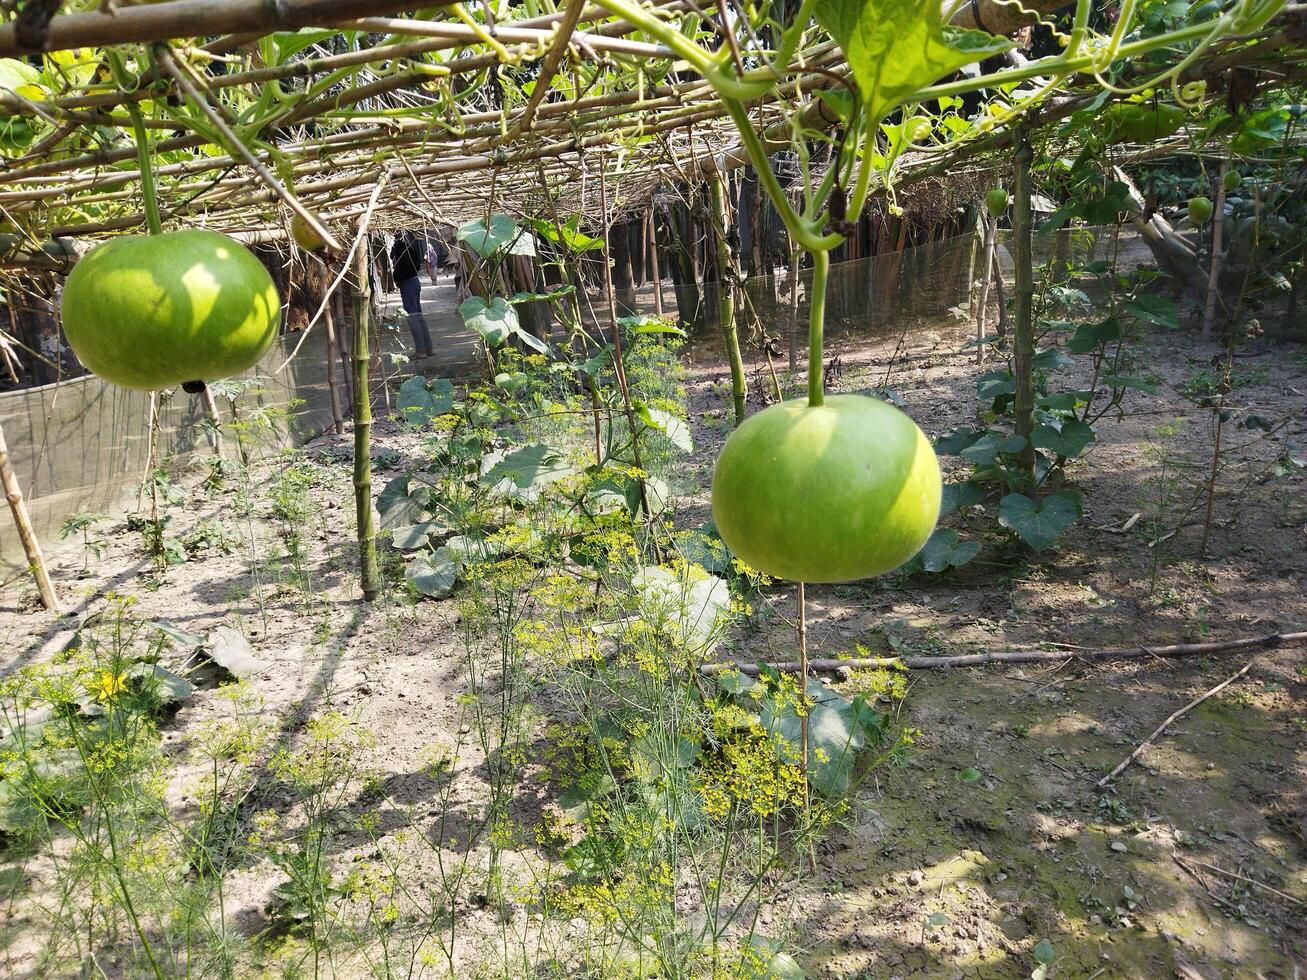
292, 42
594, 856
495, 321
943, 550
675, 429
1043, 952
959, 495
1071, 439
649, 324
410, 537
433, 575
954, 441
501, 235
227, 647
991, 444
689, 611
530, 466
1039, 524
1154, 308
1090, 335
1125, 381
995, 384
398, 505
420, 400
970, 775
1051, 359
896, 47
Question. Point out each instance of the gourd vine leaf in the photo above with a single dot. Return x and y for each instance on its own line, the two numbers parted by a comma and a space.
675, 429
495, 321
501, 235
897, 47
1156, 309
1069, 438
399, 505
944, 550
689, 610
434, 575
703, 546
959, 495
1090, 335
984, 449
649, 324
837, 731
1040, 523
420, 400
530, 466
410, 537
227, 647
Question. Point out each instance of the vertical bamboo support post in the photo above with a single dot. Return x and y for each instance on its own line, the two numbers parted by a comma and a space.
988, 225
333, 394
726, 302
367, 531
654, 271
26, 534
803, 718
1023, 348
1214, 266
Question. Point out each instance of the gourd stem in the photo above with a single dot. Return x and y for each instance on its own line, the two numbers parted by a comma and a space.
152, 219
816, 318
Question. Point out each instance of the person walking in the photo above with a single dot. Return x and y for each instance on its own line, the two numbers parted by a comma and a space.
408, 256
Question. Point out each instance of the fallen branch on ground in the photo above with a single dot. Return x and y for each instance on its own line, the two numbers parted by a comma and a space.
1268, 642
1164, 725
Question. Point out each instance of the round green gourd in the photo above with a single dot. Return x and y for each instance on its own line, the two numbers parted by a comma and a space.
833, 493
153, 311
1200, 210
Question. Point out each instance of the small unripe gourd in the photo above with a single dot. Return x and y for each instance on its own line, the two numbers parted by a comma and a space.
1200, 210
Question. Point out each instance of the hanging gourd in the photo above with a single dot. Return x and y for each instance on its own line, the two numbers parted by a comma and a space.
833, 492
154, 311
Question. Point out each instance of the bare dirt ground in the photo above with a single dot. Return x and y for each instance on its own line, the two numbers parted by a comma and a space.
1194, 864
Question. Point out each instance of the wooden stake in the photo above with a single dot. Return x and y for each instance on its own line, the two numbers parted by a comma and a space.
367, 532
1023, 342
26, 535
803, 718
726, 297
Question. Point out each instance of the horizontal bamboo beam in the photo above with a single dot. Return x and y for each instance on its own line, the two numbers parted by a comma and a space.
188, 18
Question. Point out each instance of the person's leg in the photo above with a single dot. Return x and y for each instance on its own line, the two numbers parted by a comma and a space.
410, 294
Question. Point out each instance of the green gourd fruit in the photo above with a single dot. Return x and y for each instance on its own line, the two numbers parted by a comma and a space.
1231, 180
1142, 122
154, 311
832, 493
996, 202
1200, 210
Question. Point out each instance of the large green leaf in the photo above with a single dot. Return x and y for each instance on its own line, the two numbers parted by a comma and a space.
1040, 523
502, 234
420, 400
897, 47
495, 321
529, 466
944, 550
399, 505
675, 429
433, 575
1069, 438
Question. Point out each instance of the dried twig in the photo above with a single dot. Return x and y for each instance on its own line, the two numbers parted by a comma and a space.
1174, 715
1268, 642
1251, 881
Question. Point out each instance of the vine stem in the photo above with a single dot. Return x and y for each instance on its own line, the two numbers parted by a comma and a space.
143, 156
816, 321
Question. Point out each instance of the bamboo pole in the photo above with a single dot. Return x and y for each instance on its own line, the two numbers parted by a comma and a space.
726, 297
333, 381
655, 271
26, 534
188, 18
367, 531
1023, 343
1214, 266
